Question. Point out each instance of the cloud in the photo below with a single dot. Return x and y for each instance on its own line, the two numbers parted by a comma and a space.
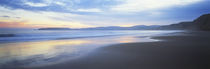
108, 6
18, 17
45, 3
36, 4
11, 24
41, 19
91, 13
5, 16
67, 6
89, 10
146, 5
60, 3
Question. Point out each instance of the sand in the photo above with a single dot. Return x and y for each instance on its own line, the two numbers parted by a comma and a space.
188, 51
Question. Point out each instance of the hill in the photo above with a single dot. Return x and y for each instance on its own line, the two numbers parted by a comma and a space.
201, 23
54, 29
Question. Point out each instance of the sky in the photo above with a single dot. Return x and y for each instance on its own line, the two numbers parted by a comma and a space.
98, 13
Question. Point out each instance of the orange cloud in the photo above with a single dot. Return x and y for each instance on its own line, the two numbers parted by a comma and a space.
21, 24
25, 24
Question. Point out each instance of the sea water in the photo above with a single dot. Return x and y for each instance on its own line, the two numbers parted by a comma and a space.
21, 35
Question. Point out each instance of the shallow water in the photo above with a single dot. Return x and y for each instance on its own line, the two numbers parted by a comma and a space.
41, 35
36, 53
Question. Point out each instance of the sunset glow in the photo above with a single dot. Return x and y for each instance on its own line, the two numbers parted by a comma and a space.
94, 13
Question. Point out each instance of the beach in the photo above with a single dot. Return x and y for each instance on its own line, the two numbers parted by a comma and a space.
187, 51
177, 50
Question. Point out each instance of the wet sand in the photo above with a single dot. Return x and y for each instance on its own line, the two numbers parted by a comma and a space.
190, 50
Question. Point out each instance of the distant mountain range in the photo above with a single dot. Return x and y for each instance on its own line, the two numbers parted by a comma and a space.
137, 27
201, 23
54, 29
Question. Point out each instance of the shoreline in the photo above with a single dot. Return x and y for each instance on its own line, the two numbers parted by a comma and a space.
180, 50
190, 51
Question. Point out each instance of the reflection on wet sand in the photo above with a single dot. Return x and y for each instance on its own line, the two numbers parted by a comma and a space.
37, 50
45, 52
34, 48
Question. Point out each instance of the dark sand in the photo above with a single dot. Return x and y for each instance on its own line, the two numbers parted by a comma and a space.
188, 51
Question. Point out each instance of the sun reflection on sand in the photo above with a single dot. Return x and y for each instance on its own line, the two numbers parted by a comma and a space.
130, 39
127, 39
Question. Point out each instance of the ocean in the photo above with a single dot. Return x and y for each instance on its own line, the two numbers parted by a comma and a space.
22, 35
